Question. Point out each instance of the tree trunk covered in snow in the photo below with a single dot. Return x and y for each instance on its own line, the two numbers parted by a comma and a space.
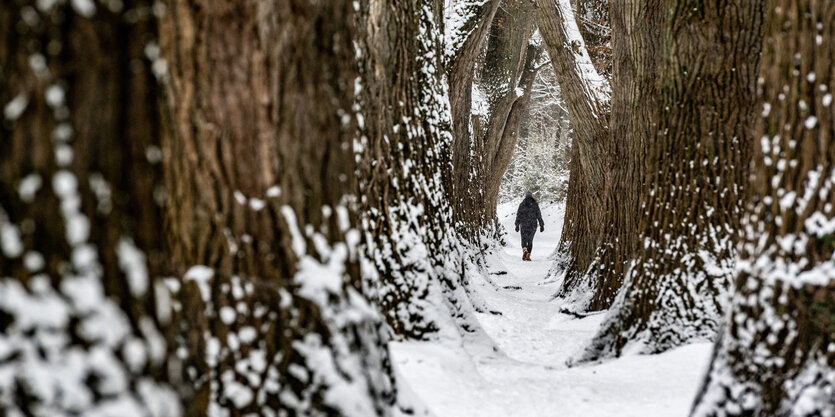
485, 131
505, 79
696, 163
79, 213
586, 95
465, 44
776, 356
636, 62
404, 148
505, 123
261, 218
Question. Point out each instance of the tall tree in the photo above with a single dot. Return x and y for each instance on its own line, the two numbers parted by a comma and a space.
595, 28
696, 160
776, 355
80, 214
469, 24
506, 79
586, 93
636, 60
261, 221
488, 56
404, 153
540, 160
419, 264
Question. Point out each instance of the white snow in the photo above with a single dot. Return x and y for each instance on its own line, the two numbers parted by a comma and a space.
15, 108
132, 262
227, 314
592, 80
456, 15
29, 186
55, 96
256, 204
10, 242
201, 274
527, 376
85, 8
298, 243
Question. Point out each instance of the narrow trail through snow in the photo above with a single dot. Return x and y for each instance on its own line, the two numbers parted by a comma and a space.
528, 377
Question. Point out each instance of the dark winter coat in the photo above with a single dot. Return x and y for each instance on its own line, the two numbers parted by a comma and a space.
528, 214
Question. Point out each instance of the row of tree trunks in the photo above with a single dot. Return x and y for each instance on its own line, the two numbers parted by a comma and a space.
697, 156
261, 221
586, 94
467, 45
776, 356
80, 214
260, 143
506, 78
505, 128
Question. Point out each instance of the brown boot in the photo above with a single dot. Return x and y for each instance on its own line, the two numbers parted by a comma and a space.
524, 254
527, 256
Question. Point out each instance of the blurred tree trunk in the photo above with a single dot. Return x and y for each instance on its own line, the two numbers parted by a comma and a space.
586, 94
262, 225
80, 213
696, 160
776, 356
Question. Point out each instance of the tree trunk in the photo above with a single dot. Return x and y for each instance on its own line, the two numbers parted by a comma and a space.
776, 355
636, 62
466, 43
79, 214
262, 223
505, 128
695, 169
409, 236
595, 28
506, 78
586, 94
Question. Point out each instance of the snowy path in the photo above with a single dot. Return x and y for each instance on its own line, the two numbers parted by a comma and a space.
529, 377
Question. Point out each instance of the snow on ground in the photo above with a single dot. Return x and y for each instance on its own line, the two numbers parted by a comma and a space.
527, 377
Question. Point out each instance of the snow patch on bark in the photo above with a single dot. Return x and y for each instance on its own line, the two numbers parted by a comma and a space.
595, 84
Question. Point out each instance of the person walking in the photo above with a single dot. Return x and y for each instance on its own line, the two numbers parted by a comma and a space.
527, 217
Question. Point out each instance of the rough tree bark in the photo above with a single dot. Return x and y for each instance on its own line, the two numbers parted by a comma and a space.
504, 129
261, 219
506, 78
636, 61
79, 221
465, 44
776, 355
586, 94
404, 150
696, 165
